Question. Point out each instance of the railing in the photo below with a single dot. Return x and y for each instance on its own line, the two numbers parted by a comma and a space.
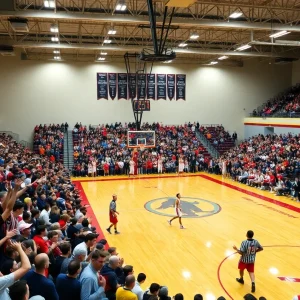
211, 149
16, 137
277, 115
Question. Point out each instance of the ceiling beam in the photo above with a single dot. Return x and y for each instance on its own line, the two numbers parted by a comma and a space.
133, 49
182, 22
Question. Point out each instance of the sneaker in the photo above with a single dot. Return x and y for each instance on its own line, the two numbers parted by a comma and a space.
240, 280
181, 227
253, 287
117, 232
169, 222
108, 230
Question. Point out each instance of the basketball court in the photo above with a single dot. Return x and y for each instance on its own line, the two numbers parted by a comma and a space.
200, 259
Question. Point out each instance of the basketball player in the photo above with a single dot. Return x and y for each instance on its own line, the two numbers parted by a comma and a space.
177, 211
248, 251
159, 164
113, 215
131, 167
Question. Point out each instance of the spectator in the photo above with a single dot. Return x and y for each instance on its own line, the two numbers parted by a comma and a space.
108, 272
178, 297
89, 244
42, 246
125, 293
198, 297
93, 284
153, 291
37, 281
137, 288
67, 285
8, 280
163, 293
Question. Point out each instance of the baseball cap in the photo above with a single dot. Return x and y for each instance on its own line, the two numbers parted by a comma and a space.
24, 226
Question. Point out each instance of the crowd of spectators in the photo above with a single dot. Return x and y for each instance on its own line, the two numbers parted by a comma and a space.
219, 137
286, 101
270, 162
103, 150
48, 140
49, 249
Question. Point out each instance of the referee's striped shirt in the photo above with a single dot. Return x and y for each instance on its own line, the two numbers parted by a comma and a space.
248, 248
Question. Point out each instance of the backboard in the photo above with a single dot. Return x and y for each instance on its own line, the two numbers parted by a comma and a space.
144, 139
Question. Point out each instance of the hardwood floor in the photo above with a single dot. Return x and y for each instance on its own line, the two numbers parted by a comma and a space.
198, 259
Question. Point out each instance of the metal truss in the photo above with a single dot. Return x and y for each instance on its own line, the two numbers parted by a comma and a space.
83, 26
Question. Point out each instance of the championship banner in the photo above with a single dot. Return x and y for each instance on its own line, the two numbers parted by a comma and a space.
132, 85
141, 86
112, 85
171, 86
161, 87
122, 86
151, 88
102, 86
180, 86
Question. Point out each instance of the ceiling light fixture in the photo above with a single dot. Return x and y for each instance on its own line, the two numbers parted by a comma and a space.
236, 15
121, 6
279, 34
167, 61
182, 45
56, 51
57, 57
112, 31
244, 47
54, 28
103, 53
107, 41
54, 39
194, 36
49, 3
101, 58
223, 57
213, 62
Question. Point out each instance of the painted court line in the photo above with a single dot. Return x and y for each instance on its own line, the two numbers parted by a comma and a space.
261, 197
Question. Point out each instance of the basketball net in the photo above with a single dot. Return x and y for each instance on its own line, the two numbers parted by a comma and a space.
142, 147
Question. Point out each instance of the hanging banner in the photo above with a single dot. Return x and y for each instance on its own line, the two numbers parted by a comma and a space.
180, 86
122, 86
102, 86
141, 86
171, 86
112, 85
161, 86
151, 88
132, 85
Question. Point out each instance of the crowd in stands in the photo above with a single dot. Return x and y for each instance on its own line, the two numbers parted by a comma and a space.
270, 162
288, 101
48, 140
219, 137
49, 249
103, 150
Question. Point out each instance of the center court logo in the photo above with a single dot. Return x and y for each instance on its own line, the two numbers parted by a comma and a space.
191, 207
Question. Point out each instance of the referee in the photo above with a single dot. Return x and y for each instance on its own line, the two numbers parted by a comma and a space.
113, 215
248, 251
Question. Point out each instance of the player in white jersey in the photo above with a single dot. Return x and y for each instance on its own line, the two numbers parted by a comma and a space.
131, 167
178, 211
159, 165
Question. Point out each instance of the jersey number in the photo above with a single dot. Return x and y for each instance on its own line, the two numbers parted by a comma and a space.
251, 250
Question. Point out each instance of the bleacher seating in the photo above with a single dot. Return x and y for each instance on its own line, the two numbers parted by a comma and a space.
219, 138
48, 140
108, 143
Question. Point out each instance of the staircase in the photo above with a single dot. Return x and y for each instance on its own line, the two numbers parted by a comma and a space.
68, 150
205, 142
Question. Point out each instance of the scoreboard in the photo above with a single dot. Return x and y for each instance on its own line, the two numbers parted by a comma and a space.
141, 105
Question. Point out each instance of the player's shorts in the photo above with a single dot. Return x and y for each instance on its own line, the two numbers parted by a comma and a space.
248, 267
113, 219
178, 212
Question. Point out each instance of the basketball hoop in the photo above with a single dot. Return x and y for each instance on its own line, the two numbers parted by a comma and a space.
142, 147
